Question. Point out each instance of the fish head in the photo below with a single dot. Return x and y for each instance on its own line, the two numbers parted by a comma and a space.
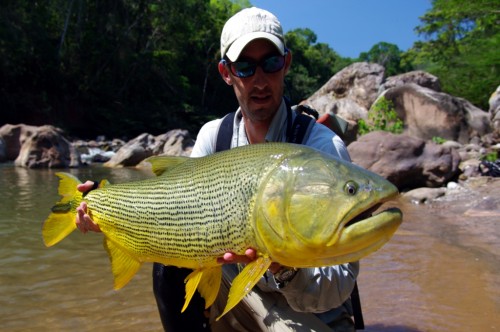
315, 210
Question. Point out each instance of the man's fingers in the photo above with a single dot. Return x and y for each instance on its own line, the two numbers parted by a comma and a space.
230, 257
251, 254
80, 220
83, 221
83, 187
91, 226
227, 258
275, 267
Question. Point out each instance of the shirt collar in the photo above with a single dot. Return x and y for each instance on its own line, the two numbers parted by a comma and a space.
277, 129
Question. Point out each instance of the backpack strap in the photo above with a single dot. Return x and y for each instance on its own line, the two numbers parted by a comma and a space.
225, 133
303, 108
359, 323
299, 130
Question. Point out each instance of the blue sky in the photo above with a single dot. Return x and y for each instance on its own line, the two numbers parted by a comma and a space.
352, 26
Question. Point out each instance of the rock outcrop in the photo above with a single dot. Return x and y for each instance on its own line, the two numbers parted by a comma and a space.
417, 77
408, 162
37, 147
428, 114
175, 142
494, 110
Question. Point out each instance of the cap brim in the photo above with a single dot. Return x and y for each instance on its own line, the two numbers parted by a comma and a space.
238, 45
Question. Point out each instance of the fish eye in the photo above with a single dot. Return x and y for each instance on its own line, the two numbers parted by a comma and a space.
351, 188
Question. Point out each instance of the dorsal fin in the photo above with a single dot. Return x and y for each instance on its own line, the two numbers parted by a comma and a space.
103, 183
160, 164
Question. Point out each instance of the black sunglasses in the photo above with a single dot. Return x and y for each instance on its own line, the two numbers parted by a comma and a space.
244, 69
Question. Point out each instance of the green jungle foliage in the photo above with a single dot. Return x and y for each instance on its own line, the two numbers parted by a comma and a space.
382, 116
124, 67
389, 56
438, 140
491, 157
463, 39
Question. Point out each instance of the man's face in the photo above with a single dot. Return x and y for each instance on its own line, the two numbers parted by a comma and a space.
260, 94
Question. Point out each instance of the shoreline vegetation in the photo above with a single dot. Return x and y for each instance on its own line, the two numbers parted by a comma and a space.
97, 68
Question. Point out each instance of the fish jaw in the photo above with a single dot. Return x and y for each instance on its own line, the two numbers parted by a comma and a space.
367, 235
305, 210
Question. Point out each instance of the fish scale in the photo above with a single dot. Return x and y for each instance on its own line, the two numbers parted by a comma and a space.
186, 224
294, 205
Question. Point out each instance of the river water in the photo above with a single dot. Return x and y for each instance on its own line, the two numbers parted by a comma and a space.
440, 272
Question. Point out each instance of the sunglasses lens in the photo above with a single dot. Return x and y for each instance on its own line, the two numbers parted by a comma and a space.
273, 64
243, 68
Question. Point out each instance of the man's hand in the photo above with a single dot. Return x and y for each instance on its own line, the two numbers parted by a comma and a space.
250, 255
232, 258
83, 221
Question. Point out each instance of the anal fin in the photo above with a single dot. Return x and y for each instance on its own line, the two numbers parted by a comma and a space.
192, 281
207, 281
123, 264
210, 285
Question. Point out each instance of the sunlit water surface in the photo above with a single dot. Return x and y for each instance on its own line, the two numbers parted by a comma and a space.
440, 272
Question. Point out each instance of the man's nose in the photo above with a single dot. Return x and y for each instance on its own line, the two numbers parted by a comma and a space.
260, 77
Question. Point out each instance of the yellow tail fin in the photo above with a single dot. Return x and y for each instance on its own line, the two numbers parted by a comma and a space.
61, 222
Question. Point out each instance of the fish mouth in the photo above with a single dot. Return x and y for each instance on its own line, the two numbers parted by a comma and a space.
370, 229
362, 235
364, 215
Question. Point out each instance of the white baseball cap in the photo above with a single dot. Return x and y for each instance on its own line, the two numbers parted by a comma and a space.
247, 25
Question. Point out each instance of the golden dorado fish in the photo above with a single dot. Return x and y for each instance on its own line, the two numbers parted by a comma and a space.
294, 205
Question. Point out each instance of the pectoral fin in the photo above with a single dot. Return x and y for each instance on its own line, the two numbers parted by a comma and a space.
123, 264
207, 281
244, 282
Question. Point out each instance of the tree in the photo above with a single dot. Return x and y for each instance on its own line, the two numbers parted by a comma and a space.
313, 64
118, 67
387, 55
28, 59
463, 38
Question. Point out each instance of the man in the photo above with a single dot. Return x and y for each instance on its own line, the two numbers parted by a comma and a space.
255, 62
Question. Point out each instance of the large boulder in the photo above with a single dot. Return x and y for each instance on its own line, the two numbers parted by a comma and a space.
418, 77
46, 147
494, 111
358, 82
406, 161
133, 152
351, 112
175, 142
3, 151
428, 114
349, 94
13, 137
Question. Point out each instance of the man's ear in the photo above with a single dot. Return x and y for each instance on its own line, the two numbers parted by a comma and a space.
224, 72
288, 61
